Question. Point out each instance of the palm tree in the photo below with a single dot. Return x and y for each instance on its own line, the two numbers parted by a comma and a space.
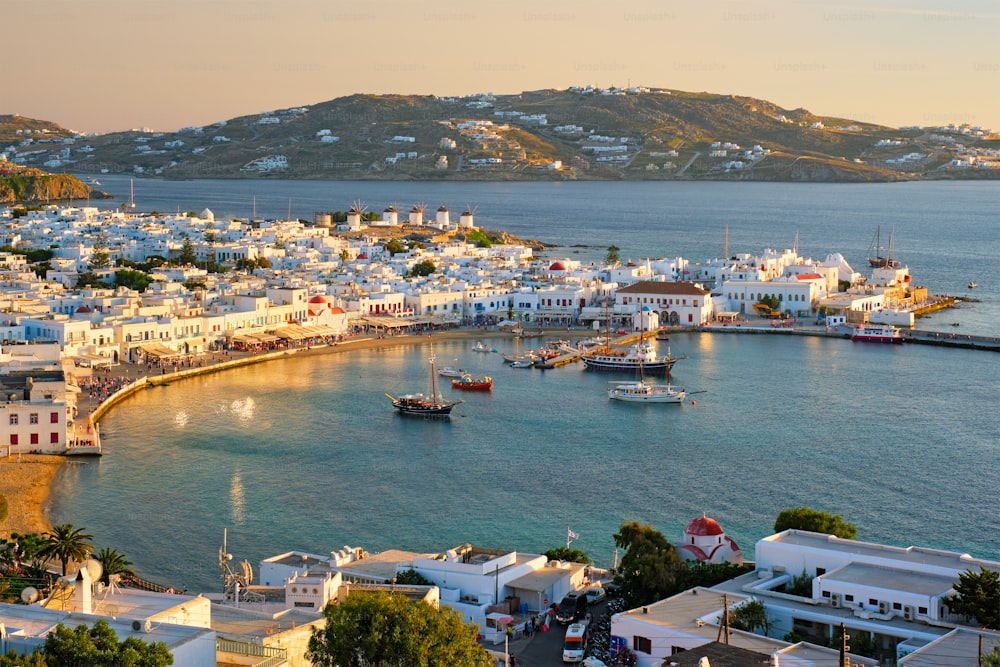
67, 543
113, 563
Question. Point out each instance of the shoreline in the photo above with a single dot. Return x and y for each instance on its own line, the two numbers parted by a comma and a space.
28, 481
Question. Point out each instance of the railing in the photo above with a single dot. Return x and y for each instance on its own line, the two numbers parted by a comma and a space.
275, 656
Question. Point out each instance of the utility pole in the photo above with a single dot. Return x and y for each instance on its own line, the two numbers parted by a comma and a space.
725, 619
844, 647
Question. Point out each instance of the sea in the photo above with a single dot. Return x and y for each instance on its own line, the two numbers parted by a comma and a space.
307, 453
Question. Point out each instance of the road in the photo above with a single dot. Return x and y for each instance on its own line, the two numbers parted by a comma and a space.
544, 649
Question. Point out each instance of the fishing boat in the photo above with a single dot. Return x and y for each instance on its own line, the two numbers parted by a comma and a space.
450, 372
875, 257
522, 363
877, 333
422, 405
471, 382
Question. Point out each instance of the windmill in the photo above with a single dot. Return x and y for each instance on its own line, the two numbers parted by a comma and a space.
417, 213
360, 208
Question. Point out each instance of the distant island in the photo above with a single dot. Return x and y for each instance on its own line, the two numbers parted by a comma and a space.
581, 133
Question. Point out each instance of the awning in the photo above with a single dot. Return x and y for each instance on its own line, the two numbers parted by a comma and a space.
159, 350
499, 619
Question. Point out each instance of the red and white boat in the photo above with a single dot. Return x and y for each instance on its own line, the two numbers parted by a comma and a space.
877, 333
473, 382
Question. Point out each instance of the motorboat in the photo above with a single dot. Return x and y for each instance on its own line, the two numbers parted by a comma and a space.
972, 284
481, 347
471, 382
645, 392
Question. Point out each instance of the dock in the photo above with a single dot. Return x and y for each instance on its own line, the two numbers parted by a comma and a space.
575, 355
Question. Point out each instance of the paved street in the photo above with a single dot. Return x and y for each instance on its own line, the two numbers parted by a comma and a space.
544, 649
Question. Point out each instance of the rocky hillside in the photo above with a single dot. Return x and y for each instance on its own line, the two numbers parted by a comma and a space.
26, 185
639, 134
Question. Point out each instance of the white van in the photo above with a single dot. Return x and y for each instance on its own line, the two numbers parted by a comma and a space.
576, 643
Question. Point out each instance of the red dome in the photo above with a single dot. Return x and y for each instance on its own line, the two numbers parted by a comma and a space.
337, 311
362, 255
557, 266
83, 309
319, 298
703, 526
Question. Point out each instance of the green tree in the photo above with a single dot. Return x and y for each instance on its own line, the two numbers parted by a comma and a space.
650, 566
112, 562
187, 254
803, 518
136, 280
394, 246
750, 616
66, 544
978, 597
412, 578
99, 258
709, 574
89, 279
992, 659
99, 647
385, 630
612, 257
568, 555
801, 585
424, 268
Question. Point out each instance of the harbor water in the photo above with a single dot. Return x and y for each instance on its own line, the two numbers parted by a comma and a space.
307, 453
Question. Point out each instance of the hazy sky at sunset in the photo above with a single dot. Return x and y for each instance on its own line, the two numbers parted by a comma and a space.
104, 65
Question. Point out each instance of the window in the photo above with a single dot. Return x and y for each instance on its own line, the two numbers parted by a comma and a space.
873, 602
825, 594
54, 438
820, 571
54, 418
13, 420
898, 606
922, 611
849, 598
34, 438
33, 418
13, 438
642, 644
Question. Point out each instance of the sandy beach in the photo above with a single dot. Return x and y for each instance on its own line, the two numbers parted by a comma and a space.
27, 481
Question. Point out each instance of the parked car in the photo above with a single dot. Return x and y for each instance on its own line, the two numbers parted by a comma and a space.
613, 590
591, 661
572, 608
595, 595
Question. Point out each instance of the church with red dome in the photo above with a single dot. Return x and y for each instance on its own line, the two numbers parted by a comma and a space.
705, 541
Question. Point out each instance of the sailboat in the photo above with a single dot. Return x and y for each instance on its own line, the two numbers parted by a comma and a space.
640, 391
876, 259
422, 405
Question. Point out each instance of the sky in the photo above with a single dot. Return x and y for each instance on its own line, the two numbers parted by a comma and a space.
109, 65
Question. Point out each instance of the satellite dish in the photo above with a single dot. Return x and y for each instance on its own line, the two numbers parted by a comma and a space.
29, 595
247, 572
94, 569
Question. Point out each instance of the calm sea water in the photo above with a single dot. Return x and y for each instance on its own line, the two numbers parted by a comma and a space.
307, 453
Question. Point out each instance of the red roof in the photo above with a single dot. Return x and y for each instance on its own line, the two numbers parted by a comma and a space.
703, 526
83, 309
319, 298
557, 266
809, 276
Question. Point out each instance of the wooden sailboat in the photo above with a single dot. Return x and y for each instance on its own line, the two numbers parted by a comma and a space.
876, 259
422, 405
